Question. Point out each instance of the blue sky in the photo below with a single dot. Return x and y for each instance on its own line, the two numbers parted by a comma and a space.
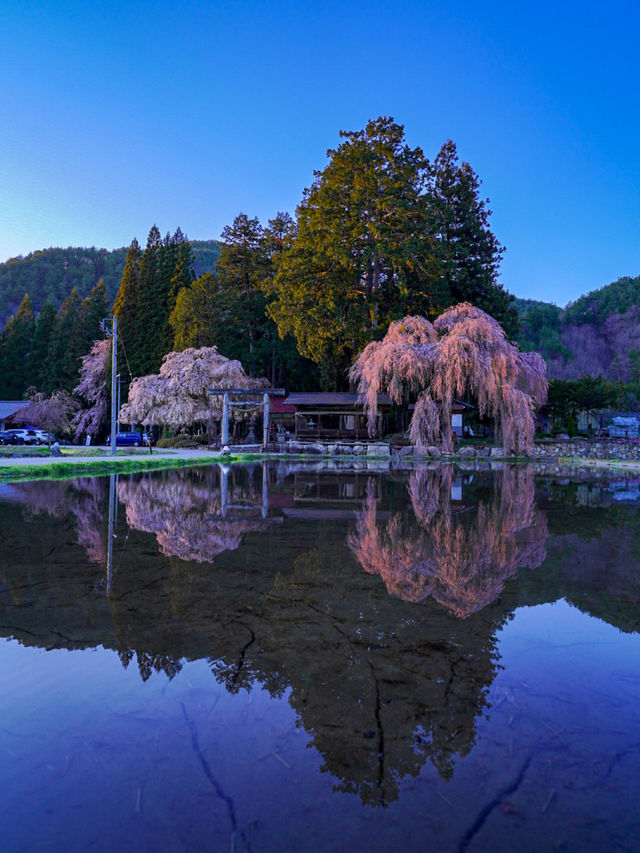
119, 115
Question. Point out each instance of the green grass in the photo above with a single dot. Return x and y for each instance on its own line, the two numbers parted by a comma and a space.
94, 468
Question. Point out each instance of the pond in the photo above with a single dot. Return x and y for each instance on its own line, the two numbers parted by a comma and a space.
277, 657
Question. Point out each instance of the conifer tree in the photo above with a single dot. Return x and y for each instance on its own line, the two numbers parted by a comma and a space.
39, 371
92, 311
467, 252
127, 306
147, 294
360, 255
65, 346
16, 349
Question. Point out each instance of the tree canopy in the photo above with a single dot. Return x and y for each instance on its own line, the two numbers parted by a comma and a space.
178, 396
382, 233
464, 354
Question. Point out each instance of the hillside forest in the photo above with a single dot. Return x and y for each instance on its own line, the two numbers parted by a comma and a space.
382, 232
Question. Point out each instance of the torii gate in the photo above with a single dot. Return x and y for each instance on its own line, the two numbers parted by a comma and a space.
225, 393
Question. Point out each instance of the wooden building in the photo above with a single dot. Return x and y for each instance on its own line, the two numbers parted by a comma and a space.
334, 415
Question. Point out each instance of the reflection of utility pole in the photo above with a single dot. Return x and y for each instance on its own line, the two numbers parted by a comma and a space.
112, 331
224, 473
112, 513
265, 487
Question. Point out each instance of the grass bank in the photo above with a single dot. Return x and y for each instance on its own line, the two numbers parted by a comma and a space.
96, 467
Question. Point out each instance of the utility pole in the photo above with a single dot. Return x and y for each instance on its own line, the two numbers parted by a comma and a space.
118, 410
110, 326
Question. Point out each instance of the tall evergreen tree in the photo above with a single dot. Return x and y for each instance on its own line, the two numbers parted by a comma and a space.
39, 371
66, 346
144, 357
150, 283
360, 255
127, 307
16, 350
92, 311
468, 254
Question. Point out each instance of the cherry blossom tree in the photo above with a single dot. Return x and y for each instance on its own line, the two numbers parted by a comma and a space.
93, 387
178, 395
51, 413
464, 353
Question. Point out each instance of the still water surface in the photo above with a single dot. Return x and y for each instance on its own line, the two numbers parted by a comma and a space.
270, 658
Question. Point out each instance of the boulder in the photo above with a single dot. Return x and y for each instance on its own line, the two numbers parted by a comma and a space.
378, 448
434, 451
467, 451
496, 451
405, 451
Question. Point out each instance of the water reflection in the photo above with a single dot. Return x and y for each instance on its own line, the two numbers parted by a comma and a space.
195, 515
459, 553
259, 571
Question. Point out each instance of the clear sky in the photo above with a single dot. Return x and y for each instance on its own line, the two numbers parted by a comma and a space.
118, 115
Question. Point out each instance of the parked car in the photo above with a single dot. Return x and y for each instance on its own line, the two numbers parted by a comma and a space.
19, 436
42, 435
131, 439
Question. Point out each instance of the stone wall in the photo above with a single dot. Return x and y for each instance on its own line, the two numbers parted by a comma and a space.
588, 449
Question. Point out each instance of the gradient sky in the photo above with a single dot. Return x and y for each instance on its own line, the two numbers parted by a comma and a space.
119, 115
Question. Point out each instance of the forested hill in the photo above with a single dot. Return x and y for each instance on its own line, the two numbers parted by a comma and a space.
597, 335
52, 273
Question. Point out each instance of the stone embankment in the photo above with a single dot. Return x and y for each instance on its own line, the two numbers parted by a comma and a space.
591, 448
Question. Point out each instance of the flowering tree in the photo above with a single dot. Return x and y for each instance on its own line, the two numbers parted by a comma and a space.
51, 413
464, 353
93, 387
178, 395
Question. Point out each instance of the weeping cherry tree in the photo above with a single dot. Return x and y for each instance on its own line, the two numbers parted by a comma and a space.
463, 354
93, 387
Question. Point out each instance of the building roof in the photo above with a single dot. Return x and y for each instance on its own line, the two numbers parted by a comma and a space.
332, 398
278, 407
10, 407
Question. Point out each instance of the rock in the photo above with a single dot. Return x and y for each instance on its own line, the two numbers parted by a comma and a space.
484, 451
225, 451
562, 436
496, 451
378, 448
406, 451
434, 451
467, 451
358, 450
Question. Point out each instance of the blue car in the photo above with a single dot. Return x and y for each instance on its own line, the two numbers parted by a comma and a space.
131, 439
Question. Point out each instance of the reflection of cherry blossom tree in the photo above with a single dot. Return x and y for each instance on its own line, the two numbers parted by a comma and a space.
461, 559
178, 395
83, 498
93, 387
185, 516
464, 353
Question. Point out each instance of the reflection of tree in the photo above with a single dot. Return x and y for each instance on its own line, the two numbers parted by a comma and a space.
460, 558
379, 693
379, 686
184, 513
82, 498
